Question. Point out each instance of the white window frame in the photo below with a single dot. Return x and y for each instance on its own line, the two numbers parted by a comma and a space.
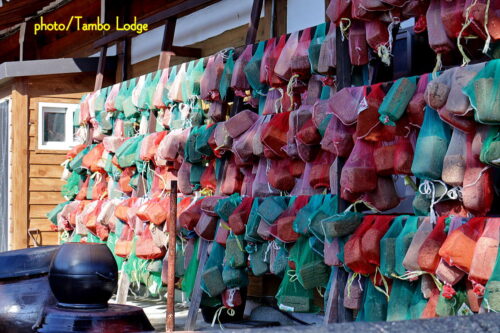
69, 141
9, 172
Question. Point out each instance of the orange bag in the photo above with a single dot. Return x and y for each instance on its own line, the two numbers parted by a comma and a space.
145, 247
428, 255
91, 218
458, 248
370, 241
485, 254
155, 211
82, 194
124, 181
150, 145
123, 245
121, 211
93, 160
353, 255
100, 189
75, 151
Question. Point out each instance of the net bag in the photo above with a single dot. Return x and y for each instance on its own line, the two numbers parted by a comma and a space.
238, 219
397, 99
454, 160
283, 67
432, 144
292, 297
327, 55
370, 241
300, 64
359, 173
282, 228
310, 270
235, 255
458, 103
274, 134
428, 254
320, 177
338, 138
353, 255
315, 46
403, 242
490, 151
338, 9
491, 300
438, 39
449, 274
410, 261
388, 246
416, 106
280, 176
346, 104
437, 90
239, 82
368, 126
211, 278
400, 300
374, 304
358, 47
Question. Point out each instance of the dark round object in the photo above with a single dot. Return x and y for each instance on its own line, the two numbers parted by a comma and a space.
115, 318
83, 275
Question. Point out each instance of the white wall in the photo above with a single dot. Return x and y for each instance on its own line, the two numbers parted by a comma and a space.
302, 14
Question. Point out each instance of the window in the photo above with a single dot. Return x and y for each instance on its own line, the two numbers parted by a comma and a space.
55, 126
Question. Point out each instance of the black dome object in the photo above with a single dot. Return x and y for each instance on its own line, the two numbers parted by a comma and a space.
83, 275
26, 262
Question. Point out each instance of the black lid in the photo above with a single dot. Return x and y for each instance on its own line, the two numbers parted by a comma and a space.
26, 262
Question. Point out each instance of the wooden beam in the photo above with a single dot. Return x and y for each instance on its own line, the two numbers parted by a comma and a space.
18, 228
174, 11
279, 18
172, 232
253, 26
167, 43
100, 69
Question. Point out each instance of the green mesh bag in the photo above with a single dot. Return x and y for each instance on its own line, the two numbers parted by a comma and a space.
90, 188
235, 255
234, 277
251, 234
196, 115
450, 307
421, 204
388, 246
194, 78
195, 175
252, 70
418, 302
130, 111
403, 242
315, 46
328, 208
432, 144
310, 269
91, 238
191, 155
279, 264
142, 101
396, 100
185, 86
171, 78
100, 99
227, 74
76, 163
341, 224
301, 222
150, 90
400, 300
225, 207
191, 271
271, 208
72, 186
201, 145
128, 151
491, 301
105, 120
257, 254
129, 128
292, 296
484, 93
124, 92
211, 278
374, 304
52, 215
490, 151
179, 259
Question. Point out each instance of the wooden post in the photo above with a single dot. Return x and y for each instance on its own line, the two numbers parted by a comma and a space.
172, 232
167, 43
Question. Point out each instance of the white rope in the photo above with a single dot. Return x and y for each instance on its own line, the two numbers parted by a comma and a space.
428, 188
478, 177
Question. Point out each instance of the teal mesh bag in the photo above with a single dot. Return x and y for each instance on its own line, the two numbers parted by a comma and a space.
176, 120
90, 188
256, 256
124, 92
279, 264
195, 175
76, 163
450, 307
388, 246
191, 271
190, 153
271, 208
127, 153
234, 277
301, 222
292, 297
490, 152
72, 186
130, 111
111, 243
310, 269
340, 225
374, 304
196, 115
421, 204
328, 208
193, 82
400, 300
201, 145
171, 78
100, 100
235, 255
315, 46
52, 215
252, 70
180, 270
484, 93
403, 242
396, 100
142, 101
186, 87
251, 234
211, 278
105, 120
418, 302
227, 74
432, 144
491, 300
225, 207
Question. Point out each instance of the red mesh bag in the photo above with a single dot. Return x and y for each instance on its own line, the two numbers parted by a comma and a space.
416, 107
145, 247
82, 194
124, 181
308, 133
93, 160
148, 151
415, 8
239, 82
121, 210
274, 134
232, 179
359, 173
477, 191
347, 103
209, 203
183, 178
368, 126
280, 176
100, 189
161, 179
358, 48
403, 156
238, 219
428, 255
450, 208
465, 124
328, 56
208, 180
485, 255
282, 228
272, 103
359, 12
261, 186
384, 197
209, 83
430, 308
240, 122
302, 185
320, 170
222, 233
307, 153
205, 228
338, 138
458, 248
370, 241
190, 216
297, 167
438, 39
300, 59
383, 156
478, 17
296, 120
452, 17
283, 67
102, 231
377, 37
75, 151
374, 5
113, 142
248, 179
123, 245
338, 9
274, 80
265, 64
354, 257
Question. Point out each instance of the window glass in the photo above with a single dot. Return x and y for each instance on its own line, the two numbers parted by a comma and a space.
54, 126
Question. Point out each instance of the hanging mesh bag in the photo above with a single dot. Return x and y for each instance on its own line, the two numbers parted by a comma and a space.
388, 246
454, 160
338, 138
353, 255
359, 173
239, 82
491, 300
416, 106
397, 99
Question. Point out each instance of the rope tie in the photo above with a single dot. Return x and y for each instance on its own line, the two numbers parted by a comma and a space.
321, 294
488, 39
438, 66
384, 291
229, 311
289, 89
478, 177
268, 249
344, 28
293, 275
428, 188
349, 283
